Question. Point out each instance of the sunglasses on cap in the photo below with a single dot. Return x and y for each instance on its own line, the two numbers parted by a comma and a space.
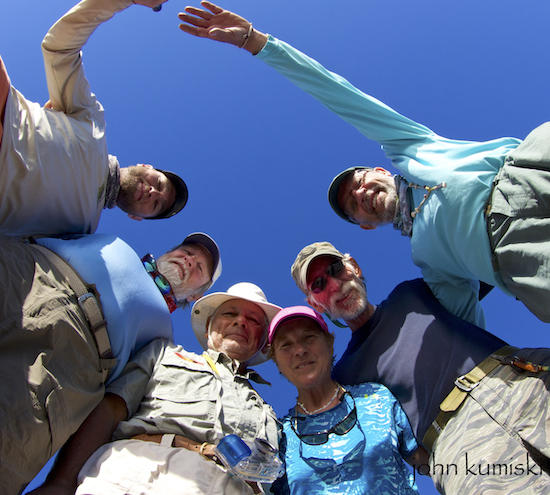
341, 428
333, 270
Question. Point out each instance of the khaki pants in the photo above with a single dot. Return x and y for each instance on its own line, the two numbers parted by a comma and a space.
134, 467
519, 223
50, 378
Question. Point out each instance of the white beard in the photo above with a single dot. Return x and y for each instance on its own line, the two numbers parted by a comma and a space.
179, 286
354, 305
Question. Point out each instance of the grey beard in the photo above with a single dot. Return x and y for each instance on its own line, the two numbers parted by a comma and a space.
389, 212
355, 306
179, 286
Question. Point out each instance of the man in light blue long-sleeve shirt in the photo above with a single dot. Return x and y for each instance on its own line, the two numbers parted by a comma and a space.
475, 211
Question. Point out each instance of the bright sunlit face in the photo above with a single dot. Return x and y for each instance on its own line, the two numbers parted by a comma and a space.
369, 197
344, 295
302, 353
187, 268
238, 329
144, 191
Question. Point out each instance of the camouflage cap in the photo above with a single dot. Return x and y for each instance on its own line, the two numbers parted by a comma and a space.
306, 256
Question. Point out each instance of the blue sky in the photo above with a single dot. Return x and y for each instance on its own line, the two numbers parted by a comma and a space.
258, 154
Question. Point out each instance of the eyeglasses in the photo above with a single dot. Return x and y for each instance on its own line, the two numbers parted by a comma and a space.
321, 437
333, 270
150, 265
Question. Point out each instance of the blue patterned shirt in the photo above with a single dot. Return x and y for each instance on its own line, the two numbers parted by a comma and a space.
366, 460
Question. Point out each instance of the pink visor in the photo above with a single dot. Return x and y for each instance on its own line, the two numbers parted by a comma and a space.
292, 313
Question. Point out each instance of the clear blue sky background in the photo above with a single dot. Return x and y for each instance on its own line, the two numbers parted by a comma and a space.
258, 154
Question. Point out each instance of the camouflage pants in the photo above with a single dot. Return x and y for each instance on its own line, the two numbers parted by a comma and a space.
498, 441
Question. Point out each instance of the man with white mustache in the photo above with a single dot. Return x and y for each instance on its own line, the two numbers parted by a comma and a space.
471, 399
171, 407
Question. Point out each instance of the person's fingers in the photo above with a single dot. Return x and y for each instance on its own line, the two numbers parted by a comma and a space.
195, 21
212, 7
194, 13
190, 29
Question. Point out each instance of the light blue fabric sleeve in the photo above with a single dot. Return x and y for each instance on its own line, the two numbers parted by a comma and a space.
407, 441
458, 295
449, 242
370, 116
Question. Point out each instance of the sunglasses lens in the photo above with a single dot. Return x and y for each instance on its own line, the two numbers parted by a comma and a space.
334, 269
321, 282
162, 284
319, 285
347, 423
149, 263
318, 439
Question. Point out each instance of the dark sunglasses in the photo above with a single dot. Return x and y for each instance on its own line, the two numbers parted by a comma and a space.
341, 428
333, 270
150, 265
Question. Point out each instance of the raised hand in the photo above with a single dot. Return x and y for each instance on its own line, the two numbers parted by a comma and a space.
221, 25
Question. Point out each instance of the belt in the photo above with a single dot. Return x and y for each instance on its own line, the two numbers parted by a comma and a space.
463, 386
87, 298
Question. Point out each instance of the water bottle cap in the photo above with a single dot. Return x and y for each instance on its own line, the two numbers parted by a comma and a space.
233, 449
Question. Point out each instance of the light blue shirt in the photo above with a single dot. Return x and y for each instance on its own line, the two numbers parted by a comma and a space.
368, 460
133, 307
450, 242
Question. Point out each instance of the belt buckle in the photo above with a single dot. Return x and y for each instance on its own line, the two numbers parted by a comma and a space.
82, 299
465, 385
509, 360
520, 364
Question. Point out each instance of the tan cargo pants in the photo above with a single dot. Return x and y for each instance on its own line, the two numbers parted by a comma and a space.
50, 378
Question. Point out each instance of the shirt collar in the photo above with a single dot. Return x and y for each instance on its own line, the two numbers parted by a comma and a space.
113, 183
233, 365
403, 220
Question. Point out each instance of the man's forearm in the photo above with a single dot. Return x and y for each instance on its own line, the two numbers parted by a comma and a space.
71, 32
256, 42
92, 434
67, 85
371, 117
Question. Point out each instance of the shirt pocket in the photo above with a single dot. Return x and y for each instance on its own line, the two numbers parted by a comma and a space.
185, 395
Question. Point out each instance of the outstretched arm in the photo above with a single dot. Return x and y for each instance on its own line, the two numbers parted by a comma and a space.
92, 434
370, 116
222, 25
67, 85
